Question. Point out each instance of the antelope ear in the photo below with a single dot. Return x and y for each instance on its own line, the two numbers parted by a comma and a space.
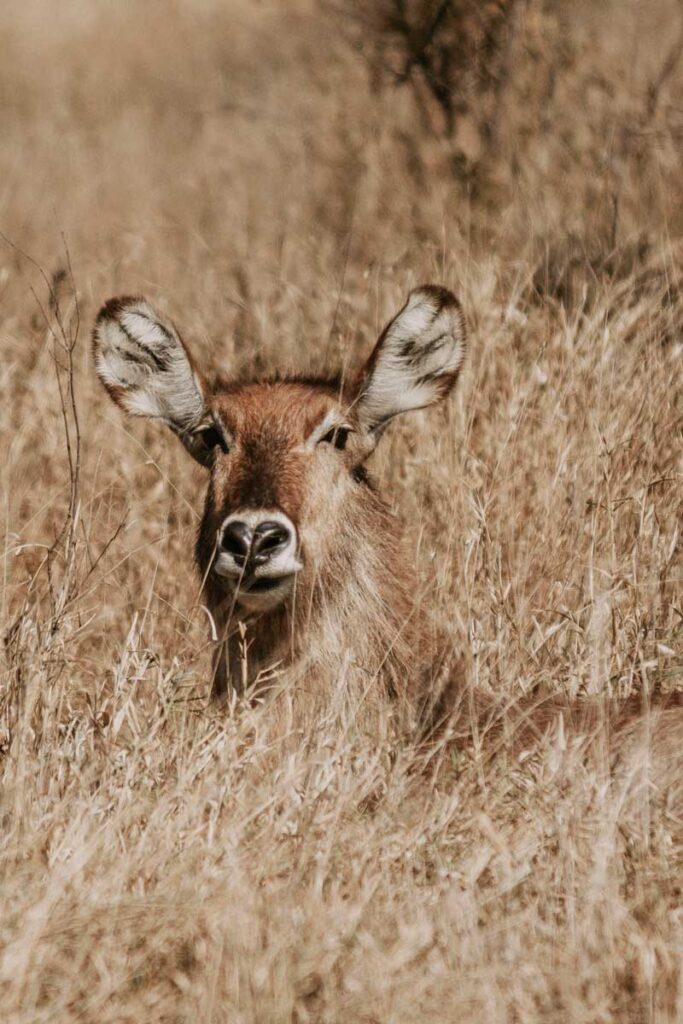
416, 360
147, 370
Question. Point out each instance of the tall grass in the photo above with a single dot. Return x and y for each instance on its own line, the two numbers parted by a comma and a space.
255, 173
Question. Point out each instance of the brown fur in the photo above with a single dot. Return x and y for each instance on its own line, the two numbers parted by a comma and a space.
350, 613
346, 607
352, 595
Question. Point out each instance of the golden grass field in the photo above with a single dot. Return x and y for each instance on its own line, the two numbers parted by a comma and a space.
252, 170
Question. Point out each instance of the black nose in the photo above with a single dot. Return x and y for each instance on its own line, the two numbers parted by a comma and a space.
256, 546
269, 539
236, 540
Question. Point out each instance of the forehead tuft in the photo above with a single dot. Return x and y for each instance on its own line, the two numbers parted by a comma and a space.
293, 406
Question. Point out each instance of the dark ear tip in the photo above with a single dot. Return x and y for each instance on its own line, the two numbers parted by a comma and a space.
111, 310
441, 297
114, 307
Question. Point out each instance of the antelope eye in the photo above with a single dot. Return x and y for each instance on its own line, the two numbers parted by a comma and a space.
212, 438
338, 436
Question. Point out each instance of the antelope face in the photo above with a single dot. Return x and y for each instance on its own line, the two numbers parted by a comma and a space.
285, 458
281, 466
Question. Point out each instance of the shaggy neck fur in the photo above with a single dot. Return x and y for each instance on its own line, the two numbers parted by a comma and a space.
353, 618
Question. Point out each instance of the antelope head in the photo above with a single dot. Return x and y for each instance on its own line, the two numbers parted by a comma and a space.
288, 501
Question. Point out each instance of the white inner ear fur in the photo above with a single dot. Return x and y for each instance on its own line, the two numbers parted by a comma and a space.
142, 362
417, 358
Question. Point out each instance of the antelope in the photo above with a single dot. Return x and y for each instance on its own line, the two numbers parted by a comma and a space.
299, 554
300, 557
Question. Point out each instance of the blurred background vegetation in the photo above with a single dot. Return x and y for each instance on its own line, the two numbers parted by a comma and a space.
276, 176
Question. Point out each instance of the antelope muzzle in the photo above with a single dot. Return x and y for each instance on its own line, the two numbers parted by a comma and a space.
257, 555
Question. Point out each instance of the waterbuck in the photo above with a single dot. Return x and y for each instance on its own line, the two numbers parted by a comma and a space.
301, 559
300, 556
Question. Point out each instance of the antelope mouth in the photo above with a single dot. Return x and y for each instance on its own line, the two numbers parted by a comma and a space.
263, 593
259, 591
265, 584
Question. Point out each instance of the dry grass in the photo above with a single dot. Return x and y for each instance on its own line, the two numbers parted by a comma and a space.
162, 861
